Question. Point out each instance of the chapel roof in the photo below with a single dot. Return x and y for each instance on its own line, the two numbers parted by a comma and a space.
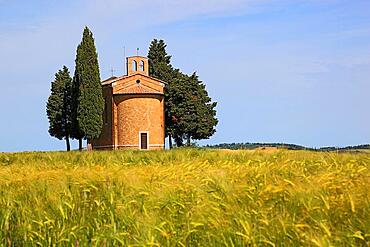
138, 89
114, 79
109, 79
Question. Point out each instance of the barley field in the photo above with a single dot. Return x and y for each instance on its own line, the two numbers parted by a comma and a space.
188, 197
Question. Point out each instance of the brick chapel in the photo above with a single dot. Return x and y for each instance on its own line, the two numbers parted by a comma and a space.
134, 109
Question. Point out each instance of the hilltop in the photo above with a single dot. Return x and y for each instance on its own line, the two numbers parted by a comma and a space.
287, 146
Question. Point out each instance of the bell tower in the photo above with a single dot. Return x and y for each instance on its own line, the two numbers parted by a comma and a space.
137, 65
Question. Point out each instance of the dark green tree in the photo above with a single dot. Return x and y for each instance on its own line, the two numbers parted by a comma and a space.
159, 61
88, 102
58, 107
193, 112
189, 111
160, 67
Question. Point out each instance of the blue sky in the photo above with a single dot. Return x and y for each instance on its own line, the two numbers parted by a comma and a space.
281, 71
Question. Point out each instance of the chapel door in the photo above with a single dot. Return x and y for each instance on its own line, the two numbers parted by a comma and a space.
143, 140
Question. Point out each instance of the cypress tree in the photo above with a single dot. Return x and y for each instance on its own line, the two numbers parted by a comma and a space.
58, 107
159, 61
88, 102
76, 133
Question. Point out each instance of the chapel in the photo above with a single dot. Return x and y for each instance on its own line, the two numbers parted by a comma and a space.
133, 115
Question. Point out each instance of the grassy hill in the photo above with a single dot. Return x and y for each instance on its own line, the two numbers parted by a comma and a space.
185, 197
249, 146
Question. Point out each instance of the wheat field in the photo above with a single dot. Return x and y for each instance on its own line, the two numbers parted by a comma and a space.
188, 197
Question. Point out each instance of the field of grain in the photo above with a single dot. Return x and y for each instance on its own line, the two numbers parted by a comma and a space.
185, 198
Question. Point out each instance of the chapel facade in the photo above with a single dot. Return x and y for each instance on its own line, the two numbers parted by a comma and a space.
133, 115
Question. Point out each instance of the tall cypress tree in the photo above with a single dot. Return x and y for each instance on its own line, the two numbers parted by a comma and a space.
159, 61
88, 99
58, 107
76, 133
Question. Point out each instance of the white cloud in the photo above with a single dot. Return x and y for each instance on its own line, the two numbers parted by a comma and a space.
46, 40
148, 12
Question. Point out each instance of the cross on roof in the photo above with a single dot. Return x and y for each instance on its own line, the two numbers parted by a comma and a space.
112, 71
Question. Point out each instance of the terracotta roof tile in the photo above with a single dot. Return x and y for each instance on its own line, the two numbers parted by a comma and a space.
113, 79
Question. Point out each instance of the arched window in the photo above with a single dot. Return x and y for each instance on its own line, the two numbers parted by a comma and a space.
134, 65
141, 65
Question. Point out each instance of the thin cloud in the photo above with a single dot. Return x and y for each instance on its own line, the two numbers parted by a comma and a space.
139, 12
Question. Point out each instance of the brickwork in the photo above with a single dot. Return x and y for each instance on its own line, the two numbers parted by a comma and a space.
134, 104
137, 114
146, 81
142, 65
